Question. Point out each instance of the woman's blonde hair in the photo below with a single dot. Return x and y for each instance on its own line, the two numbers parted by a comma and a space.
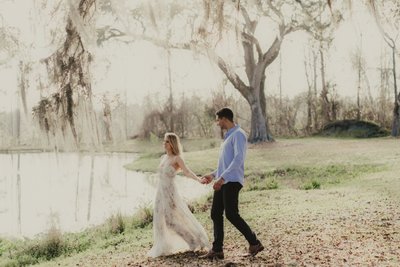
175, 143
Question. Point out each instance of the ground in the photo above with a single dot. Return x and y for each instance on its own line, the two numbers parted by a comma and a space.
353, 221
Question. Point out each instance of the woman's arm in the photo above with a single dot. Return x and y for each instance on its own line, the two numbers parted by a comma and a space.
186, 171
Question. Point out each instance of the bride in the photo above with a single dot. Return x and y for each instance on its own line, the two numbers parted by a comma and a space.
175, 228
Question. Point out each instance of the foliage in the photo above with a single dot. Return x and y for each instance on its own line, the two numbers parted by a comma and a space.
354, 129
287, 116
143, 217
194, 117
32, 252
116, 224
68, 72
312, 185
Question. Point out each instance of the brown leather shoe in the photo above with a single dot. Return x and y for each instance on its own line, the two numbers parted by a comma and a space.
213, 255
254, 249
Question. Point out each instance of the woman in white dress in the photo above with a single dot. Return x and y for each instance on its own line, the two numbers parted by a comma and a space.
175, 228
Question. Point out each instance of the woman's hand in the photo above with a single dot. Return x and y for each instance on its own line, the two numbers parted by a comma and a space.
206, 179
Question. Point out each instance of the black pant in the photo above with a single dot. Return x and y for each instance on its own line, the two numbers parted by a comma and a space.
228, 199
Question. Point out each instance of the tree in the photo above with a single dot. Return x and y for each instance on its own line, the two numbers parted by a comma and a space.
107, 117
258, 60
359, 64
9, 43
221, 20
387, 15
310, 67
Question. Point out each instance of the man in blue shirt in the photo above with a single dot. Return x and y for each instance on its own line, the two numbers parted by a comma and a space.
229, 180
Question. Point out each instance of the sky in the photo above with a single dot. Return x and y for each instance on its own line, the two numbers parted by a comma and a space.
140, 68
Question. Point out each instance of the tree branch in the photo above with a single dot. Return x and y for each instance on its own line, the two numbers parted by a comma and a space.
277, 12
232, 76
273, 50
253, 40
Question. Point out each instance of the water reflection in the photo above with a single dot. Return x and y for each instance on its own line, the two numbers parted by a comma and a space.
72, 191
19, 194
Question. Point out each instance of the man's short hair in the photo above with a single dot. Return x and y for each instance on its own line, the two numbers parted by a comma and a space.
225, 113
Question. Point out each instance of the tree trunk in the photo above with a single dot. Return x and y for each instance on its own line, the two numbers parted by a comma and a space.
315, 96
396, 118
359, 88
324, 92
307, 68
309, 113
259, 131
280, 112
24, 69
396, 108
107, 120
171, 99
18, 126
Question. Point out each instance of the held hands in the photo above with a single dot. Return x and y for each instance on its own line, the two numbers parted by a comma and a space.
206, 179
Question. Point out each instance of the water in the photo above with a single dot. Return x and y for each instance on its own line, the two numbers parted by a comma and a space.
73, 191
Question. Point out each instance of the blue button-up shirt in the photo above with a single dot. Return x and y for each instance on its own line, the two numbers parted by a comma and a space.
231, 156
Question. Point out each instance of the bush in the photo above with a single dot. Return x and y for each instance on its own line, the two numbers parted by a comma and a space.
273, 184
354, 129
116, 224
50, 247
143, 217
259, 181
312, 185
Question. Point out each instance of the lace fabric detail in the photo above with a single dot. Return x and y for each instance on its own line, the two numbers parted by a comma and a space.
175, 228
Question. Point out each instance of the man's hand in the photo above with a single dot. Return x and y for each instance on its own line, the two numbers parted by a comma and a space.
218, 184
206, 179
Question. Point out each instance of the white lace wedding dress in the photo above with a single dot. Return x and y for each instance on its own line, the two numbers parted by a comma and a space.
175, 229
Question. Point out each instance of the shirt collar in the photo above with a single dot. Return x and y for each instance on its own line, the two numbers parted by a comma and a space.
231, 130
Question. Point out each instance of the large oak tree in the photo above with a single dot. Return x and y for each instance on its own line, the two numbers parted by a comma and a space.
259, 26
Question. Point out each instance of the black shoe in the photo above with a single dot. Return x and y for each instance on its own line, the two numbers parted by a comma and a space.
213, 255
254, 249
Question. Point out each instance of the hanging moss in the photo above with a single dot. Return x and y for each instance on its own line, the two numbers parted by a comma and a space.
68, 70
56, 101
40, 112
69, 103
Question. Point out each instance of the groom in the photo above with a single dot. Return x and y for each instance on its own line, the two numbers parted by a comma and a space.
229, 180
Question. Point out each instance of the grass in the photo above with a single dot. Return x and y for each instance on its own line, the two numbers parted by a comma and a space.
143, 217
310, 177
117, 230
52, 245
279, 176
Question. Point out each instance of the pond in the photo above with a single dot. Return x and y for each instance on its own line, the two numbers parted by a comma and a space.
73, 191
